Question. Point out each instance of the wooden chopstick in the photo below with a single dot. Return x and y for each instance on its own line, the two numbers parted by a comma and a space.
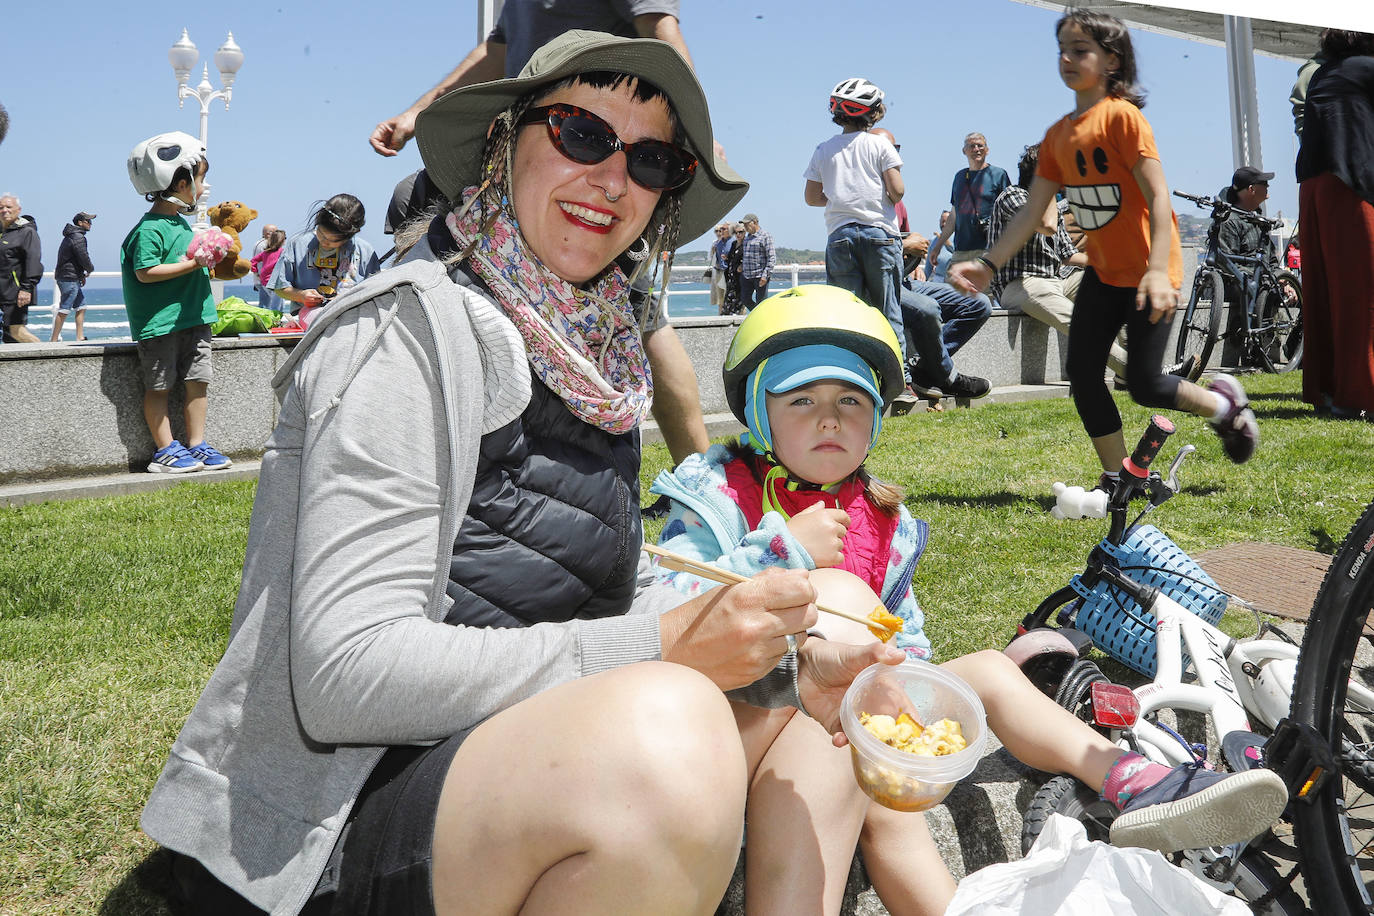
678, 563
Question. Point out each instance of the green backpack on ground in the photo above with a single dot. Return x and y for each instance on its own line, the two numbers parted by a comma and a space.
238, 317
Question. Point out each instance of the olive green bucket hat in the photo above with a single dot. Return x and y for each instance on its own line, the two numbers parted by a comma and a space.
453, 129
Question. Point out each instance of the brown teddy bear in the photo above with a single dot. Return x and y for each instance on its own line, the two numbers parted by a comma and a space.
233, 217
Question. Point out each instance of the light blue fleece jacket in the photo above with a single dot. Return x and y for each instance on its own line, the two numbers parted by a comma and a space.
706, 525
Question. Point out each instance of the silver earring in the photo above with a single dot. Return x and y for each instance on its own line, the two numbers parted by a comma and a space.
638, 255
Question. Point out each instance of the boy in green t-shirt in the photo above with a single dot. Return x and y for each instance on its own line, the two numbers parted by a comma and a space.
168, 299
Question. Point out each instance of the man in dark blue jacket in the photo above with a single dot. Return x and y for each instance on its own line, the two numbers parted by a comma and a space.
21, 267
73, 267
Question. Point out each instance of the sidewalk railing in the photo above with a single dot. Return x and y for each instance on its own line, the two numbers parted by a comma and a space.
813, 272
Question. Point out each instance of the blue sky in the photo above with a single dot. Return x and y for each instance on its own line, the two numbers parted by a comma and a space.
87, 81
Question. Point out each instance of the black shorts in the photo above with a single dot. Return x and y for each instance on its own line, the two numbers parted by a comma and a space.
382, 864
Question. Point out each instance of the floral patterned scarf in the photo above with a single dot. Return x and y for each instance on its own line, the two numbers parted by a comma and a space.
584, 344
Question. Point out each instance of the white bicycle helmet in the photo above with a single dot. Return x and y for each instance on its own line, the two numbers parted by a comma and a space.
154, 162
855, 96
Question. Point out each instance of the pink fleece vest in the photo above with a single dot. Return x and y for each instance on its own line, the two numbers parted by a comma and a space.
867, 545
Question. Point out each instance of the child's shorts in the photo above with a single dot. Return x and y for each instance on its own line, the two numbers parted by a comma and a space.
73, 297
181, 355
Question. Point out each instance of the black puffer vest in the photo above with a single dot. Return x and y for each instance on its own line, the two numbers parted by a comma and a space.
553, 529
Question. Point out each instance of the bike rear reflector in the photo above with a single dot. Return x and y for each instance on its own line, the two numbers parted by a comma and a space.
1114, 706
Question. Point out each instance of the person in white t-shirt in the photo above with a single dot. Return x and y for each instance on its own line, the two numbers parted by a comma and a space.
857, 176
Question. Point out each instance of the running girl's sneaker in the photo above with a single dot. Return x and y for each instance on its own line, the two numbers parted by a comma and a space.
210, 456
174, 459
1238, 429
1193, 807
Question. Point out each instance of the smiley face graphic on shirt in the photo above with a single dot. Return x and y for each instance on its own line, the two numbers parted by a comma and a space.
1093, 205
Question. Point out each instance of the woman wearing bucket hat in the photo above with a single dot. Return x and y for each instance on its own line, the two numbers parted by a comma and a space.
455, 694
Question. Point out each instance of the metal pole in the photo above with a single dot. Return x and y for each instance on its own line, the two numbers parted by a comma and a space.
488, 11
1240, 80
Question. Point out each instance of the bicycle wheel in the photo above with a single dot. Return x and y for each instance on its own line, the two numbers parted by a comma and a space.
1335, 832
1277, 339
1202, 318
1254, 877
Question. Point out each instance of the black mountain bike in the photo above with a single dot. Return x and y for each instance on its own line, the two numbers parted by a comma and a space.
1271, 333
1333, 712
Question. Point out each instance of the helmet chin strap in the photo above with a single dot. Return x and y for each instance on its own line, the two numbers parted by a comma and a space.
181, 205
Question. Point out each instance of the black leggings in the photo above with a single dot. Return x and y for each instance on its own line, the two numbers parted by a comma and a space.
1099, 312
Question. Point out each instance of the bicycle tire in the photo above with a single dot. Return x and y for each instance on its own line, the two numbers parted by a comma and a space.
1334, 850
1277, 341
1254, 877
1202, 318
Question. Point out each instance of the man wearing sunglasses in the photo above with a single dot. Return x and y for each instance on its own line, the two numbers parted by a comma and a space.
760, 257
1247, 192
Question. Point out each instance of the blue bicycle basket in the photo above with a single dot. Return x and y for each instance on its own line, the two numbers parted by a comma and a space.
1115, 620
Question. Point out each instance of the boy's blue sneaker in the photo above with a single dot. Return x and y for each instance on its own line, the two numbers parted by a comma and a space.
210, 456
174, 459
1193, 808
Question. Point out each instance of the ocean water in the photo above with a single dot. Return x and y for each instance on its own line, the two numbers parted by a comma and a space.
106, 320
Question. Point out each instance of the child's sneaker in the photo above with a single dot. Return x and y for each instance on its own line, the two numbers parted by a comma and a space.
1237, 428
174, 459
210, 456
1193, 808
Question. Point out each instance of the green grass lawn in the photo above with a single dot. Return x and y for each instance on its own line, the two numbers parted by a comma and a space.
113, 612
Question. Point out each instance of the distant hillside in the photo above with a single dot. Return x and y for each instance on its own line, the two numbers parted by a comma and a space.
785, 256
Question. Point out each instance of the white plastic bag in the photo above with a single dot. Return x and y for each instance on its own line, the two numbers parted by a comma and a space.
1065, 874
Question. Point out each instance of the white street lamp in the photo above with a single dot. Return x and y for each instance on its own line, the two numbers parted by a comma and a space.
183, 57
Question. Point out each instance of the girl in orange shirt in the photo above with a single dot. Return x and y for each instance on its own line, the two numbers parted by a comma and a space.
1103, 156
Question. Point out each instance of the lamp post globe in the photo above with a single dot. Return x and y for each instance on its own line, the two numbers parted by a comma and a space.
183, 57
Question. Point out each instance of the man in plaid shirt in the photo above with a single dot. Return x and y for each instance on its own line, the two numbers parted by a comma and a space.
1042, 279
760, 257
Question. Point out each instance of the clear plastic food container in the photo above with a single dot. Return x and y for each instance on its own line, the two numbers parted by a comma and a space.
897, 779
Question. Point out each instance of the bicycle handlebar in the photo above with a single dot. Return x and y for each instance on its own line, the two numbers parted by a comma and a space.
1222, 208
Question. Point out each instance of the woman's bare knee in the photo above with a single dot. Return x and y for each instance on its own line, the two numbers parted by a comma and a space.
638, 770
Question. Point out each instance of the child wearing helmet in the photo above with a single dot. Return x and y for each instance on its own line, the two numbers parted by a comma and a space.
857, 177
809, 373
168, 299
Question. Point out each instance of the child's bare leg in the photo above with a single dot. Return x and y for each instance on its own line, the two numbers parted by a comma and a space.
904, 863
1197, 400
81, 325
1036, 730
196, 402
900, 855
1111, 450
57, 328
155, 415
804, 814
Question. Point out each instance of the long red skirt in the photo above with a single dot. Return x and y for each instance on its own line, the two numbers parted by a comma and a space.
1337, 237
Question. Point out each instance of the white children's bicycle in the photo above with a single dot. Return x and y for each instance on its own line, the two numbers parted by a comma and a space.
1143, 601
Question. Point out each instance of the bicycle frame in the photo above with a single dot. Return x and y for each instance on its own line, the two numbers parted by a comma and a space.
1249, 271
1224, 691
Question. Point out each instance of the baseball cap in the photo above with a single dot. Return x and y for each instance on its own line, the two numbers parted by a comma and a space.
750, 218
1247, 175
83, 215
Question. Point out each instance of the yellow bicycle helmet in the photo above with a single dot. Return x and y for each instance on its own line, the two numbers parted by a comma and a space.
815, 317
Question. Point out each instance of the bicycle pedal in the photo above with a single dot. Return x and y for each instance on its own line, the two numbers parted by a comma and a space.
1304, 759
